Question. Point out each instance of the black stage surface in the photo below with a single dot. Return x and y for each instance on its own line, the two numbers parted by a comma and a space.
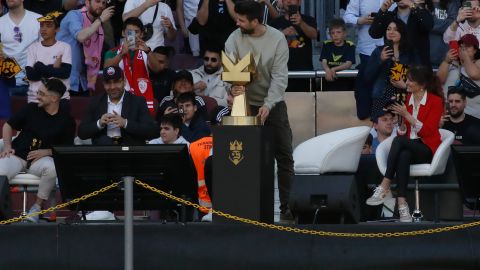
211, 246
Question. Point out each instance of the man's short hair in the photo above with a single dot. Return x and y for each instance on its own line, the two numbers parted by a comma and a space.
183, 74
186, 97
251, 9
213, 48
456, 90
173, 119
337, 23
133, 21
55, 85
379, 114
168, 51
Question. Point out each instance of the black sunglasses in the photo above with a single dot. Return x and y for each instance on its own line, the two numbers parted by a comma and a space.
212, 59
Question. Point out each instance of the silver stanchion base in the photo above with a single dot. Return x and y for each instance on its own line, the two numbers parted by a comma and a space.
417, 216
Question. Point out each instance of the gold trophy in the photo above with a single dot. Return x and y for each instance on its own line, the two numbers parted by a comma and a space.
239, 73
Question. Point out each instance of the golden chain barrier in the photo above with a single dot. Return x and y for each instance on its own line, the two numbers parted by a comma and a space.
311, 232
60, 206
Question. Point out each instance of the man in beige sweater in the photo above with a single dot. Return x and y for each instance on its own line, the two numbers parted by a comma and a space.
267, 91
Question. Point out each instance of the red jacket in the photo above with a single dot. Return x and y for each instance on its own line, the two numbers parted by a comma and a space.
429, 114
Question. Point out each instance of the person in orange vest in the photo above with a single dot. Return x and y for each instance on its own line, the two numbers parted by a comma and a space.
200, 150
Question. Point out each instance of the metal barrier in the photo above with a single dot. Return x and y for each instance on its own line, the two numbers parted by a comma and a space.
319, 74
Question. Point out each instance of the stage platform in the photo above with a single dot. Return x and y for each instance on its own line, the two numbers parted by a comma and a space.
212, 246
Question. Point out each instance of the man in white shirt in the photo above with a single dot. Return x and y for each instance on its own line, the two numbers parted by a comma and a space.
163, 22
19, 28
207, 78
467, 22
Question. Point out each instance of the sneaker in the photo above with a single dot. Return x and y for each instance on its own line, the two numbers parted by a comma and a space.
404, 213
35, 209
379, 196
100, 215
207, 217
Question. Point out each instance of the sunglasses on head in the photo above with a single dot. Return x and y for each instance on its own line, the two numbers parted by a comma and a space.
212, 59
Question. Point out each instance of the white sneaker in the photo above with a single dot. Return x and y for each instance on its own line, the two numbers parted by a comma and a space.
100, 215
379, 196
207, 217
404, 213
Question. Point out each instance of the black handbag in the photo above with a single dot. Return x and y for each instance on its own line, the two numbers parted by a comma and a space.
470, 88
148, 28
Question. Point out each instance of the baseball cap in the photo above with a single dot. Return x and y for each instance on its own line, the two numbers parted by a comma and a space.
51, 17
112, 73
469, 39
183, 75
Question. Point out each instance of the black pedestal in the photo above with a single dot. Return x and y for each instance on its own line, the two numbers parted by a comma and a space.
243, 172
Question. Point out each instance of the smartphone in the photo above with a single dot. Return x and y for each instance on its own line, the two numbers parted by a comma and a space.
467, 4
292, 9
131, 39
396, 1
389, 43
453, 44
374, 14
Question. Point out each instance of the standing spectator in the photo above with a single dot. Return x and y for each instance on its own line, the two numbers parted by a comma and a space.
465, 127
161, 74
419, 22
82, 29
444, 12
156, 13
19, 29
299, 30
359, 13
337, 54
217, 18
186, 12
42, 7
48, 58
67, 5
207, 78
266, 93
467, 22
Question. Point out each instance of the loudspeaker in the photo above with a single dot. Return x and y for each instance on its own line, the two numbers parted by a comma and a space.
325, 199
5, 201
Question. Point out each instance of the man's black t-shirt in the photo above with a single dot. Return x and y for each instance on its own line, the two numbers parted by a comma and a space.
162, 83
219, 25
465, 131
300, 46
38, 127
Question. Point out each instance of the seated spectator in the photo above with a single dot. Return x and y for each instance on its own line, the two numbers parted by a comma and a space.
462, 67
19, 29
367, 146
157, 14
42, 126
208, 77
182, 83
383, 124
194, 125
82, 29
466, 22
161, 74
48, 58
465, 127
117, 117
170, 125
337, 54
132, 56
220, 111
387, 66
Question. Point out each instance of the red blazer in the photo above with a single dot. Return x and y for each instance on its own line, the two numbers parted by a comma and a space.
429, 114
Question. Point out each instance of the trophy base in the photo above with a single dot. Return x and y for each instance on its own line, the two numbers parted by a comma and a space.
241, 121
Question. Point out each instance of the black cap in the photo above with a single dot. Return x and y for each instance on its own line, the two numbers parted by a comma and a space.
112, 73
183, 75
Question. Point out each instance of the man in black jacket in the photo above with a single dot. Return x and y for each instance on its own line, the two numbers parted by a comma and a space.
117, 117
419, 22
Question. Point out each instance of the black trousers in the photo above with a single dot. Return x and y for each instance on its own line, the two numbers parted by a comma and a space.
403, 153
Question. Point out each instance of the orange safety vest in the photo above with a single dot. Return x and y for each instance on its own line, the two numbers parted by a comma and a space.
200, 150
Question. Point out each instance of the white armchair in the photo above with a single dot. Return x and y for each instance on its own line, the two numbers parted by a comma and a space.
437, 166
337, 151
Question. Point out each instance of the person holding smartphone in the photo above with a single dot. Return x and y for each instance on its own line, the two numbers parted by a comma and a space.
466, 22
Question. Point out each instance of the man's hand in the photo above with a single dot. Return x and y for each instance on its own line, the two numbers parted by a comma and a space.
107, 14
201, 85
58, 62
105, 119
386, 5
296, 19
237, 90
185, 31
289, 31
141, 45
118, 120
166, 22
7, 151
170, 110
330, 75
38, 154
263, 112
365, 20
464, 13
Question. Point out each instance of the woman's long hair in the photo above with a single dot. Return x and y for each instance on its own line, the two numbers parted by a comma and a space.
423, 75
402, 29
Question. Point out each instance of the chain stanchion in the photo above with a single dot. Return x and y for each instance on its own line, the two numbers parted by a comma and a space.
307, 231
60, 206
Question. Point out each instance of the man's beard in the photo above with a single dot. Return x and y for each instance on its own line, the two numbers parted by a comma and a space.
456, 115
247, 31
94, 12
210, 70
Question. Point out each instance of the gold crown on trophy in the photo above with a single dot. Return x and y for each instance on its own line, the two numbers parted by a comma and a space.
236, 146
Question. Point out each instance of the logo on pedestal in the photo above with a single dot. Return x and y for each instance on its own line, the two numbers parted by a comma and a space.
236, 152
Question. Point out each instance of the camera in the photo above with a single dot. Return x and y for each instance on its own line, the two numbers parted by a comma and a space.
111, 3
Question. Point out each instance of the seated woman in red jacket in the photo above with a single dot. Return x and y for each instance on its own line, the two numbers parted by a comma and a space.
418, 137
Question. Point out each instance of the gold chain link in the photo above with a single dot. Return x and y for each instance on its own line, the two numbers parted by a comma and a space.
60, 206
307, 231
